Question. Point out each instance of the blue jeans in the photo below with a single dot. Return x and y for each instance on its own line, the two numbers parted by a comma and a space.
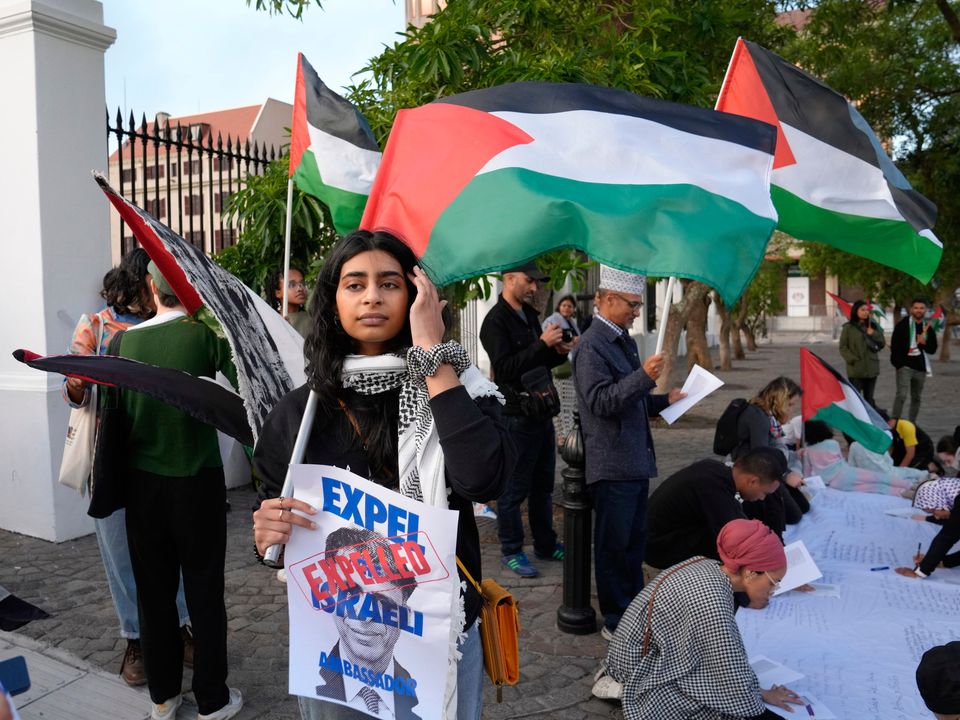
112, 540
619, 543
469, 689
532, 480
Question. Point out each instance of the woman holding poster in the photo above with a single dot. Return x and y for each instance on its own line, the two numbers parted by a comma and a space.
405, 409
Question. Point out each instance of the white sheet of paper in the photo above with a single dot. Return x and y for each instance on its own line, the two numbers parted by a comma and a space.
801, 568
770, 672
698, 385
814, 482
826, 590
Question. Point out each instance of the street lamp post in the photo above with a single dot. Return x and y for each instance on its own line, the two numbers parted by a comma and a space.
576, 616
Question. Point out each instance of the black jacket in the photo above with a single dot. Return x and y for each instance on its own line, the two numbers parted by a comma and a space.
478, 454
900, 347
685, 514
514, 347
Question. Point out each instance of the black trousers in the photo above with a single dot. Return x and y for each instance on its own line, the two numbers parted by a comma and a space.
174, 525
866, 387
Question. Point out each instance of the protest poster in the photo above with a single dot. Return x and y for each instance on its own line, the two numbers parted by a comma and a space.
369, 594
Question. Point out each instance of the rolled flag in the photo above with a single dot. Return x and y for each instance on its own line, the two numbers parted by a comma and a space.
333, 154
832, 180
489, 179
267, 351
200, 398
828, 396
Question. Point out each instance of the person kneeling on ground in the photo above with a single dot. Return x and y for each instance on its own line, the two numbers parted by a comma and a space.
670, 667
939, 498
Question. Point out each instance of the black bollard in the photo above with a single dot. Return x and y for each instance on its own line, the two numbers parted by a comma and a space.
576, 616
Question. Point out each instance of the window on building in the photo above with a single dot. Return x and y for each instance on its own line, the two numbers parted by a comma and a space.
222, 164
156, 207
126, 176
154, 172
220, 201
224, 238
194, 238
192, 204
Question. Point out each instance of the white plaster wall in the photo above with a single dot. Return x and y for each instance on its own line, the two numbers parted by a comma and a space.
54, 237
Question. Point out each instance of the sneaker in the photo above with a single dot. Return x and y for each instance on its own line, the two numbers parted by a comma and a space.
607, 634
557, 554
520, 564
131, 669
605, 687
166, 710
481, 510
228, 710
187, 634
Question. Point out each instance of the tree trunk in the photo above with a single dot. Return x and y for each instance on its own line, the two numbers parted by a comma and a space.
751, 338
726, 323
945, 342
738, 324
693, 292
698, 350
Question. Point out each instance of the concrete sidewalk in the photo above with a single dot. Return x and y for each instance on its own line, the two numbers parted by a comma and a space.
74, 656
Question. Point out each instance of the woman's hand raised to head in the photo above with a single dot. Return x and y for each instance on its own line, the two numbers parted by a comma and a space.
426, 321
273, 521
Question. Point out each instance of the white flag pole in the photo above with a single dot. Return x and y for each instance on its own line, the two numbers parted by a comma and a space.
286, 248
272, 556
667, 302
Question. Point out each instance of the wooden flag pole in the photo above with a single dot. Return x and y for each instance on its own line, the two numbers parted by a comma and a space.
667, 302
286, 249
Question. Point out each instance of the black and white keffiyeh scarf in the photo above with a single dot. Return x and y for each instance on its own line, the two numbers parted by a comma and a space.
420, 461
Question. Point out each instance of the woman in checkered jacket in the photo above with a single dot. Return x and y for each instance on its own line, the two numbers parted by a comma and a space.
677, 653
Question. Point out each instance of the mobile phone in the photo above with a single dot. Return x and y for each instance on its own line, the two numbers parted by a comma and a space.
14, 676
567, 335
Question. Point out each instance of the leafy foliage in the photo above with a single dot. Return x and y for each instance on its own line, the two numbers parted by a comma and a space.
261, 208
762, 298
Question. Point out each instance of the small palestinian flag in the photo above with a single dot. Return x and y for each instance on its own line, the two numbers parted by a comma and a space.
828, 396
843, 307
832, 180
333, 154
937, 319
876, 310
490, 179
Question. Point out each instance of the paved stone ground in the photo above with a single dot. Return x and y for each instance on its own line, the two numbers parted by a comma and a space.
67, 579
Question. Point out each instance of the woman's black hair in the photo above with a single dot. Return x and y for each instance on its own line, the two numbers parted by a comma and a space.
815, 431
273, 284
327, 344
564, 298
853, 311
123, 286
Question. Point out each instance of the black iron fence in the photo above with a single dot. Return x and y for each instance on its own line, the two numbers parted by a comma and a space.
182, 175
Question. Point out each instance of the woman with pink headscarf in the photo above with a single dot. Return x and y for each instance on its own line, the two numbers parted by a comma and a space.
678, 653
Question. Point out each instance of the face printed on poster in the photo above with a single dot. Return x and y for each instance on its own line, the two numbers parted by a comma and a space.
369, 594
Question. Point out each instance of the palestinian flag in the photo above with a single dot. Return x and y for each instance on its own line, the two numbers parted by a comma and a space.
199, 397
843, 307
490, 179
832, 180
876, 310
828, 396
937, 319
267, 351
333, 154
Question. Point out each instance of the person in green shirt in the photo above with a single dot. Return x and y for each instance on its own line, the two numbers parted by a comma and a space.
176, 520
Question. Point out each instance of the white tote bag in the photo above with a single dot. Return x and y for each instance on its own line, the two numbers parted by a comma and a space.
81, 433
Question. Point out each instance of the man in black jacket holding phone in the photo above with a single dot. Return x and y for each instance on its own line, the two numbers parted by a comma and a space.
512, 337
912, 337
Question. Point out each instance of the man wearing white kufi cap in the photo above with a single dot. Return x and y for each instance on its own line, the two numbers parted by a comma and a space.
614, 392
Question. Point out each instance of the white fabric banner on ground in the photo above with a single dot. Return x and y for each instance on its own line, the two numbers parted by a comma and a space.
858, 644
369, 594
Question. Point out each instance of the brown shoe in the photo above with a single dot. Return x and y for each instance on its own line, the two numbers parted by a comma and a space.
132, 670
187, 634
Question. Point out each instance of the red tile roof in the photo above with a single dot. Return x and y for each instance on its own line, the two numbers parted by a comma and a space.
237, 123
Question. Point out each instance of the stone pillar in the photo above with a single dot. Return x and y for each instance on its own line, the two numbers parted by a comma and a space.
54, 238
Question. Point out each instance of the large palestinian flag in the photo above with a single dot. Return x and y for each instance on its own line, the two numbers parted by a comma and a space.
489, 179
832, 180
333, 154
828, 396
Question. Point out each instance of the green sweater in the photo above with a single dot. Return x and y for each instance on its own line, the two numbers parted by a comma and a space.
161, 439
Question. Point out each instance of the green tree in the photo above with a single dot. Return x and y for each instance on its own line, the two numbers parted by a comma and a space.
261, 207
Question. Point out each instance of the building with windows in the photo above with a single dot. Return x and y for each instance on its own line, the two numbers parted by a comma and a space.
182, 170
